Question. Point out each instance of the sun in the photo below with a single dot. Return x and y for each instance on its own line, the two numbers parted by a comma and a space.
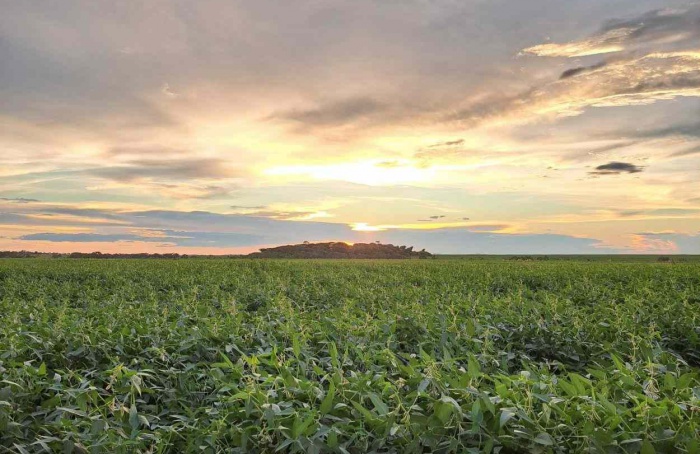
364, 227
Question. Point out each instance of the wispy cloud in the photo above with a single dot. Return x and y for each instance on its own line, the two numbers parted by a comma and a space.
167, 169
626, 82
18, 200
652, 28
335, 113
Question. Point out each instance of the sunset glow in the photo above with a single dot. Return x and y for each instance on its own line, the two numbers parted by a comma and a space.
225, 126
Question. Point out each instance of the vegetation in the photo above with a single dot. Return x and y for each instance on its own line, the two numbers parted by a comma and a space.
94, 255
352, 357
340, 250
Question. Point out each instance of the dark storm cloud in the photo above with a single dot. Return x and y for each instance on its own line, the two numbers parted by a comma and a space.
616, 168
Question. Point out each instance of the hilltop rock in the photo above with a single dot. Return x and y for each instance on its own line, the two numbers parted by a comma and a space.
340, 250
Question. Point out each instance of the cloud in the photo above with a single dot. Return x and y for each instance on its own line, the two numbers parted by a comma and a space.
487, 227
432, 218
658, 27
688, 152
211, 230
607, 42
18, 200
203, 229
188, 168
616, 168
691, 130
168, 237
167, 90
278, 214
581, 69
146, 150
448, 143
653, 244
666, 242
630, 81
335, 113
465, 241
178, 178
661, 212
447, 150
192, 191
86, 237
660, 62
248, 207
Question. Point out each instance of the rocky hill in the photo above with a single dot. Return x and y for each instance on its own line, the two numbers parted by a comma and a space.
339, 250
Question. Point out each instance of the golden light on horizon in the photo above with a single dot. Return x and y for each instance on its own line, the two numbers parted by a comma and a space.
372, 173
364, 227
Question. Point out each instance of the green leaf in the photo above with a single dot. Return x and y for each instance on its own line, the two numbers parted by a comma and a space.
333, 351
134, 417
300, 426
473, 367
647, 448
286, 443
327, 403
544, 438
379, 405
363, 411
506, 415
442, 411
423, 385
296, 346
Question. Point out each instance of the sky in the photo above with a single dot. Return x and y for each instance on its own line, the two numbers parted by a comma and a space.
459, 126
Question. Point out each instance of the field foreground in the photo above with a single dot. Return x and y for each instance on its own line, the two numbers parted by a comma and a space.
336, 356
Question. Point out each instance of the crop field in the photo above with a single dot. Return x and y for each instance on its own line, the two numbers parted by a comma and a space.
412, 356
